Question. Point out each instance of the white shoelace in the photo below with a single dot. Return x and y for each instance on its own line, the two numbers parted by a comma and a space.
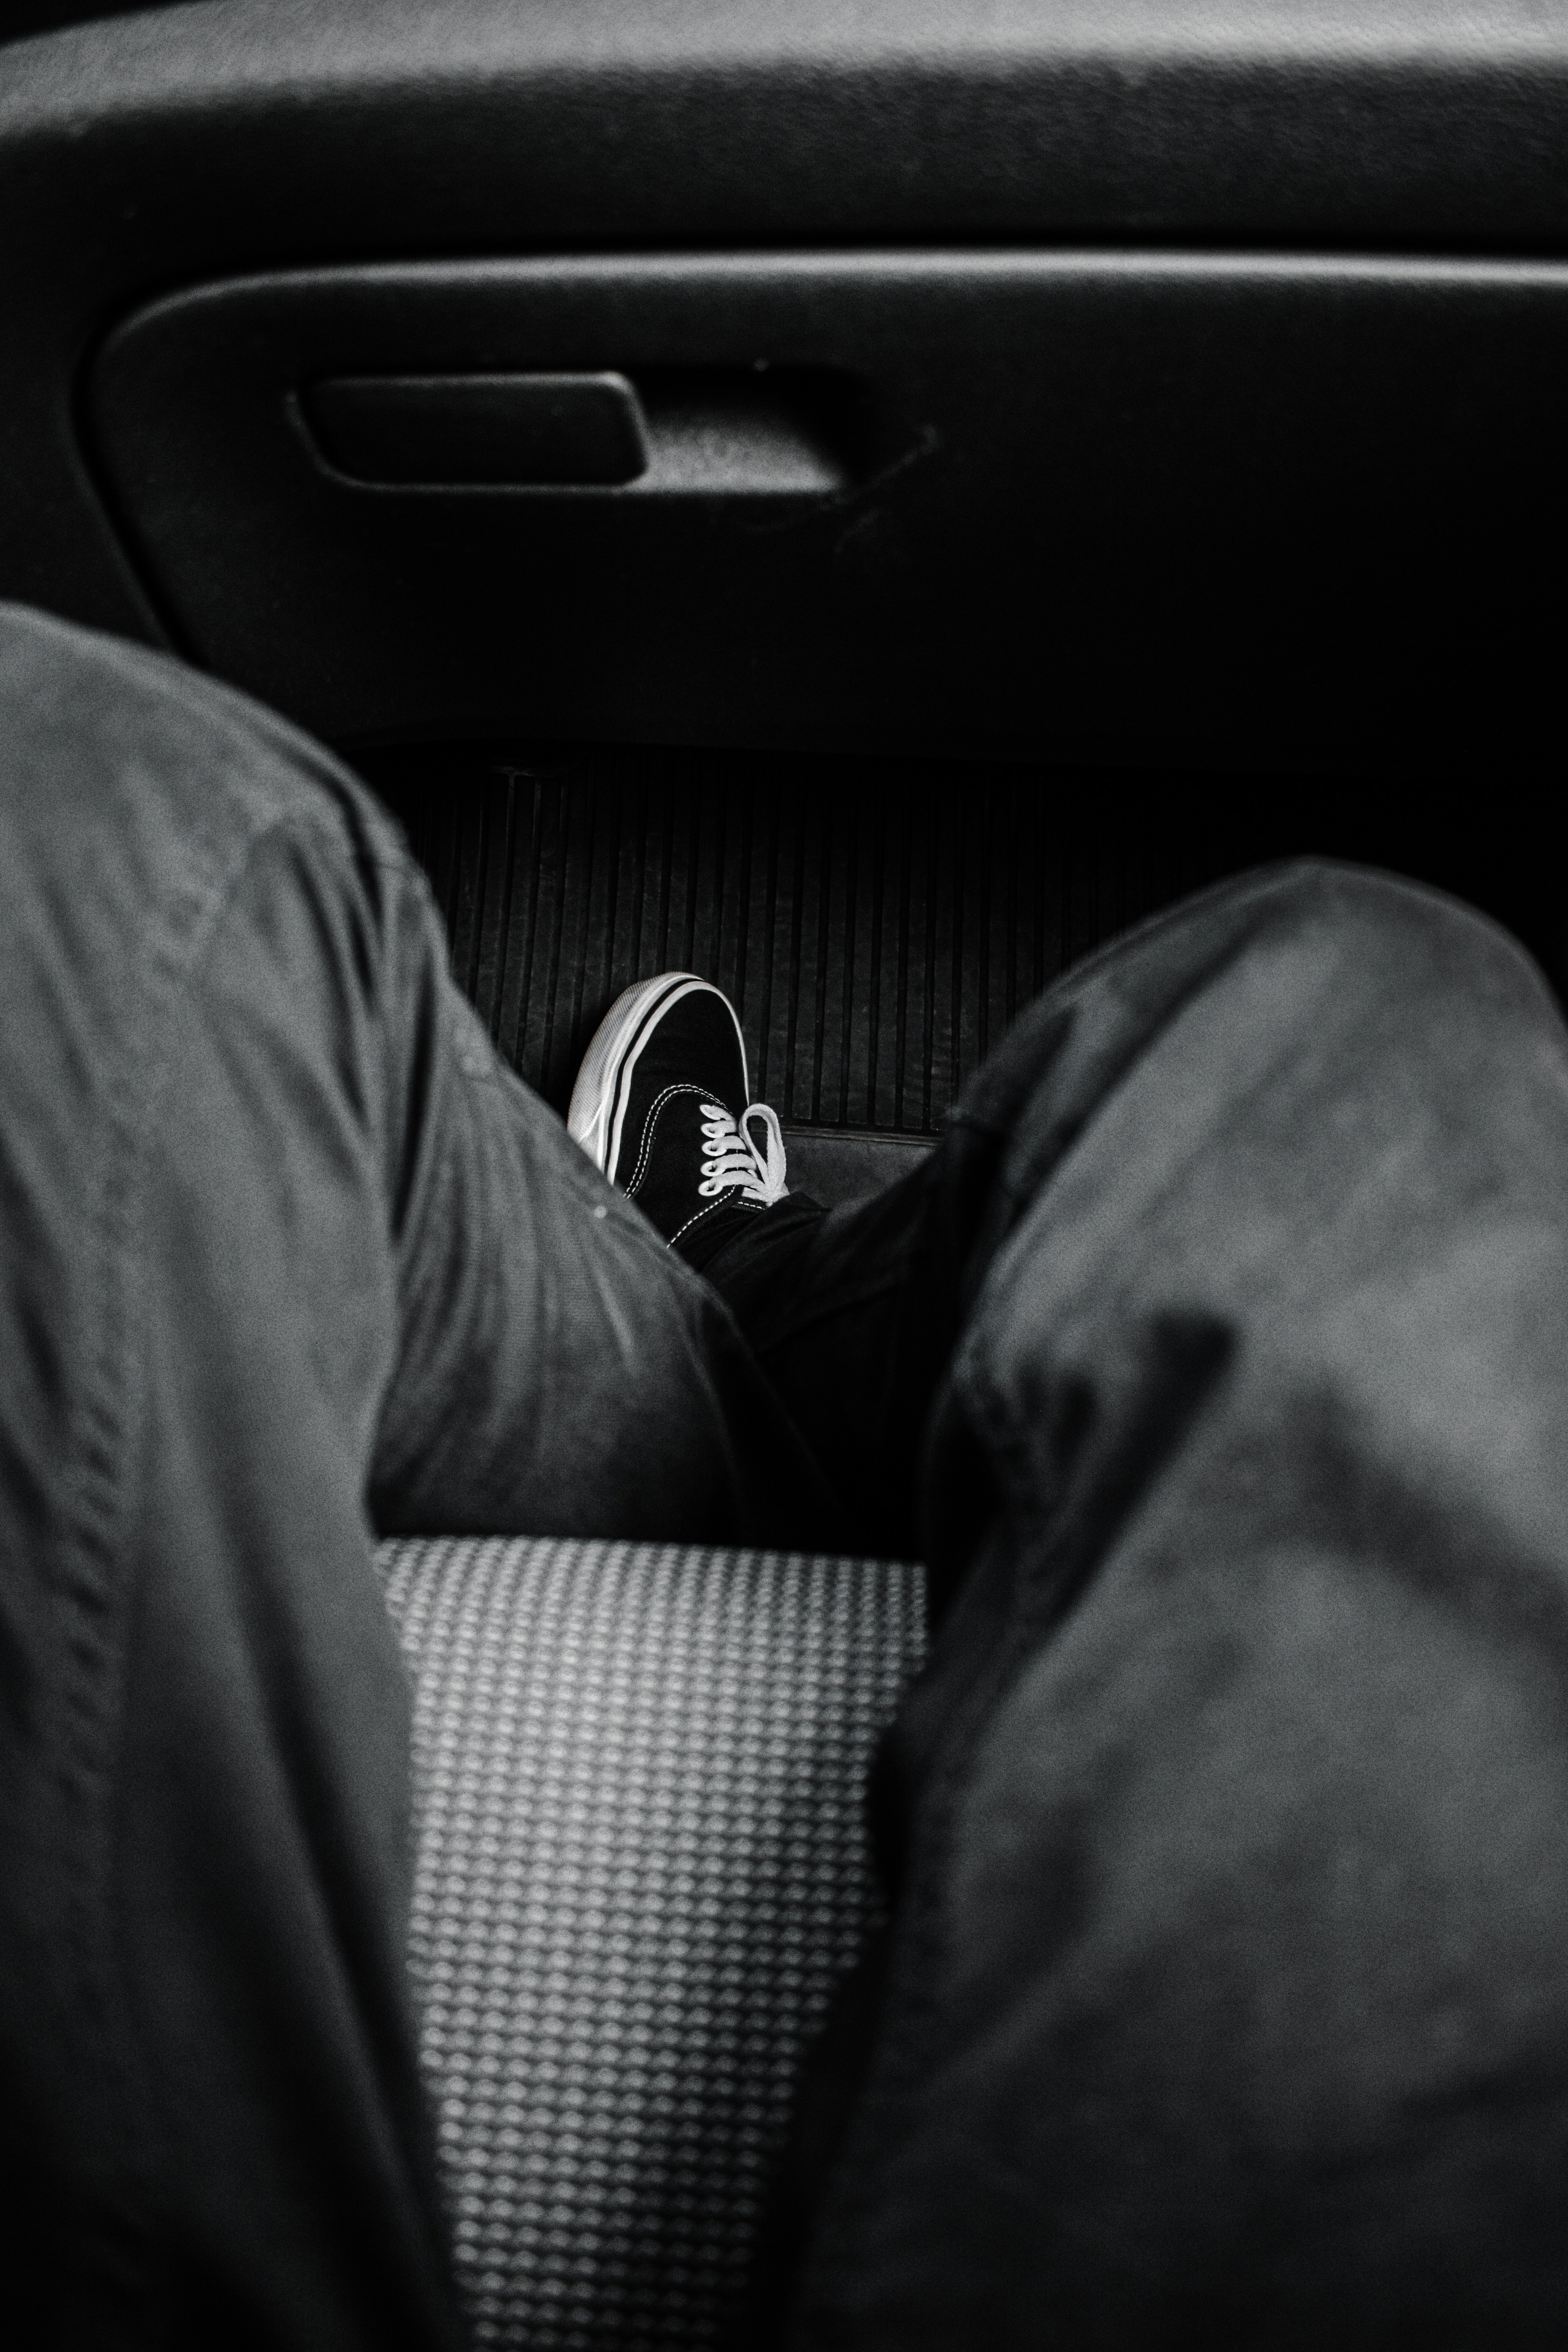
732, 1161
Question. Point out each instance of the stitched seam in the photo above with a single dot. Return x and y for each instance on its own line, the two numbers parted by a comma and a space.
696, 1218
681, 1087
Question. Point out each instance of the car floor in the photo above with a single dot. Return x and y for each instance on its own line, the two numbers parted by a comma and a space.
879, 923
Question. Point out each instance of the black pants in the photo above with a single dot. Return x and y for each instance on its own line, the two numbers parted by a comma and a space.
1218, 1359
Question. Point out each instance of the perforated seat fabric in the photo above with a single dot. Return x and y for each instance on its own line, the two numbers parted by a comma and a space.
642, 1867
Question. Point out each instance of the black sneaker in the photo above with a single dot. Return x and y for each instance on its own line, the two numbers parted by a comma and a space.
660, 1106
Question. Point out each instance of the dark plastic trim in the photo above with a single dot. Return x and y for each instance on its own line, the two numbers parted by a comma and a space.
535, 430
159, 149
1138, 507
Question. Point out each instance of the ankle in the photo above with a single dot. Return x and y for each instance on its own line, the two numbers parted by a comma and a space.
729, 1247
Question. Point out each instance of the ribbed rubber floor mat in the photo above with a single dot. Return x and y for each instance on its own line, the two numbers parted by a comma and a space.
877, 924
642, 1865
880, 921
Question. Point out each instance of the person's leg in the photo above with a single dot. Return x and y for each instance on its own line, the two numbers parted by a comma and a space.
853, 1313
279, 1237
1225, 1991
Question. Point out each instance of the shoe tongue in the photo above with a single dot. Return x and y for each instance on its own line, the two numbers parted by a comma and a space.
733, 1132
667, 1178
734, 1135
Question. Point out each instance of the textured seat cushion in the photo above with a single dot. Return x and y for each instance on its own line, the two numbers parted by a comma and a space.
642, 1867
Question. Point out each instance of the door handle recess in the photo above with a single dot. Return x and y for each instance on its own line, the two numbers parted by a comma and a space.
759, 430
544, 431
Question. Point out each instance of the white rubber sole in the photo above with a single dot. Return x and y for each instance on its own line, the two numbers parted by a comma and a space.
598, 1107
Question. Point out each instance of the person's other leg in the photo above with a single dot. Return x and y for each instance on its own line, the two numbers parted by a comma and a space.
276, 1233
1226, 1990
853, 1313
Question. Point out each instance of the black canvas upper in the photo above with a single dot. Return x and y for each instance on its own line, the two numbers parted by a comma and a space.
691, 1057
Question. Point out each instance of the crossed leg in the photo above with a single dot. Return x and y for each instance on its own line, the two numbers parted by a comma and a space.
1222, 1342
286, 1256
1224, 1989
